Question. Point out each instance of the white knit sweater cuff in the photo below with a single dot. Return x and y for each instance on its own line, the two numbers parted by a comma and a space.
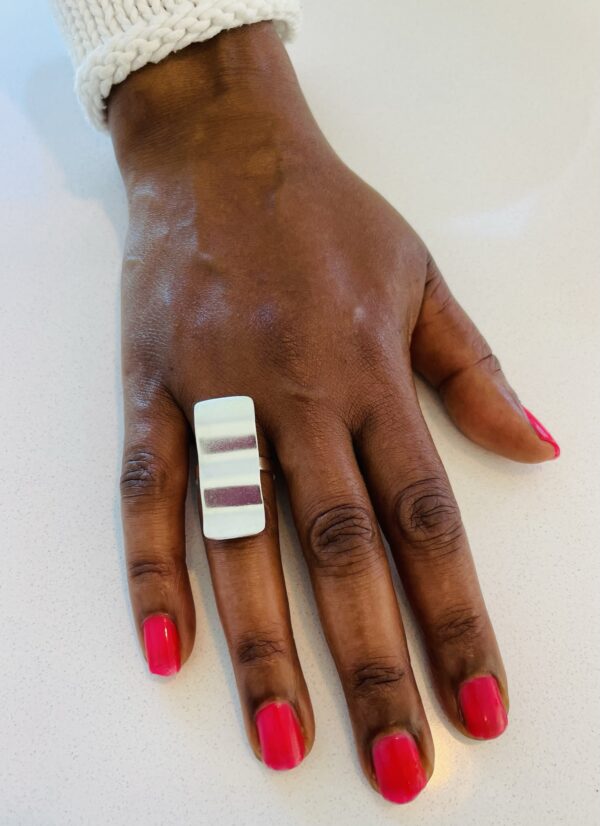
109, 39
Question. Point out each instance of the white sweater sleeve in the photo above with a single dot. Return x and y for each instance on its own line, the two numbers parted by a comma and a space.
108, 39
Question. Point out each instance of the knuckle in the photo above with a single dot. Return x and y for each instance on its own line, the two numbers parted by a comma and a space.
460, 627
342, 539
376, 675
435, 285
491, 363
429, 519
143, 569
259, 647
144, 474
488, 362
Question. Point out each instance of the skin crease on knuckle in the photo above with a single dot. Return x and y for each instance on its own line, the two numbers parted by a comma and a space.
429, 519
258, 264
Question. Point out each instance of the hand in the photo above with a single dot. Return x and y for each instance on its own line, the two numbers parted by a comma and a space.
258, 264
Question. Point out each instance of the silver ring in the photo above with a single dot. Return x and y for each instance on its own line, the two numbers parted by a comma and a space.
229, 468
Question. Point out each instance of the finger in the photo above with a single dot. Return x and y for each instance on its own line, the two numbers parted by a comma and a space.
358, 607
153, 491
250, 592
421, 520
450, 352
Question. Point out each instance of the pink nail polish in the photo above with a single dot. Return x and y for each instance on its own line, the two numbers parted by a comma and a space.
281, 740
161, 641
482, 708
400, 773
542, 432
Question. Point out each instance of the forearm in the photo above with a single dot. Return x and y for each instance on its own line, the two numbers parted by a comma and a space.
232, 94
110, 39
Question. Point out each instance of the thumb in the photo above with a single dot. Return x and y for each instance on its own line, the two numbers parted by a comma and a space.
448, 350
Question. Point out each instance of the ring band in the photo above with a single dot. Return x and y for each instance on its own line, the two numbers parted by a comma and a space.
265, 464
229, 468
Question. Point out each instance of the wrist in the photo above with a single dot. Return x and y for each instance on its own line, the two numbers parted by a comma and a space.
221, 98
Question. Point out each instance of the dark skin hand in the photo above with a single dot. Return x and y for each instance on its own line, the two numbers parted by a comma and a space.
258, 264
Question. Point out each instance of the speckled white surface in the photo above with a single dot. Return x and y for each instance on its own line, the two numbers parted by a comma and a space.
480, 122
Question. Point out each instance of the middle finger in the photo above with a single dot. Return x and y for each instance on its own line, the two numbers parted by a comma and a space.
420, 517
357, 605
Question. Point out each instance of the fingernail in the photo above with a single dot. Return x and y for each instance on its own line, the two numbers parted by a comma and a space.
161, 641
281, 740
400, 773
482, 707
542, 432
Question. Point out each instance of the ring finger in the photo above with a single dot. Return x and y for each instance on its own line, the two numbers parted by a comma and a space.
251, 598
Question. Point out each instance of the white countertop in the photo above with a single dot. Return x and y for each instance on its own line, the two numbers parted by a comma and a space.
481, 124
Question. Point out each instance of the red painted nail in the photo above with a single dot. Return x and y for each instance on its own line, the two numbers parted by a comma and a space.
482, 707
161, 641
281, 740
400, 773
542, 432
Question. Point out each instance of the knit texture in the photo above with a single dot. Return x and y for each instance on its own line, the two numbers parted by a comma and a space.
109, 39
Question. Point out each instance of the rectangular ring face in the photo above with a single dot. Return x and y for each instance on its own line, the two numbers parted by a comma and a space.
229, 469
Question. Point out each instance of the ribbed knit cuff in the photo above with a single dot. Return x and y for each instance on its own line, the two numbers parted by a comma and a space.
109, 39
